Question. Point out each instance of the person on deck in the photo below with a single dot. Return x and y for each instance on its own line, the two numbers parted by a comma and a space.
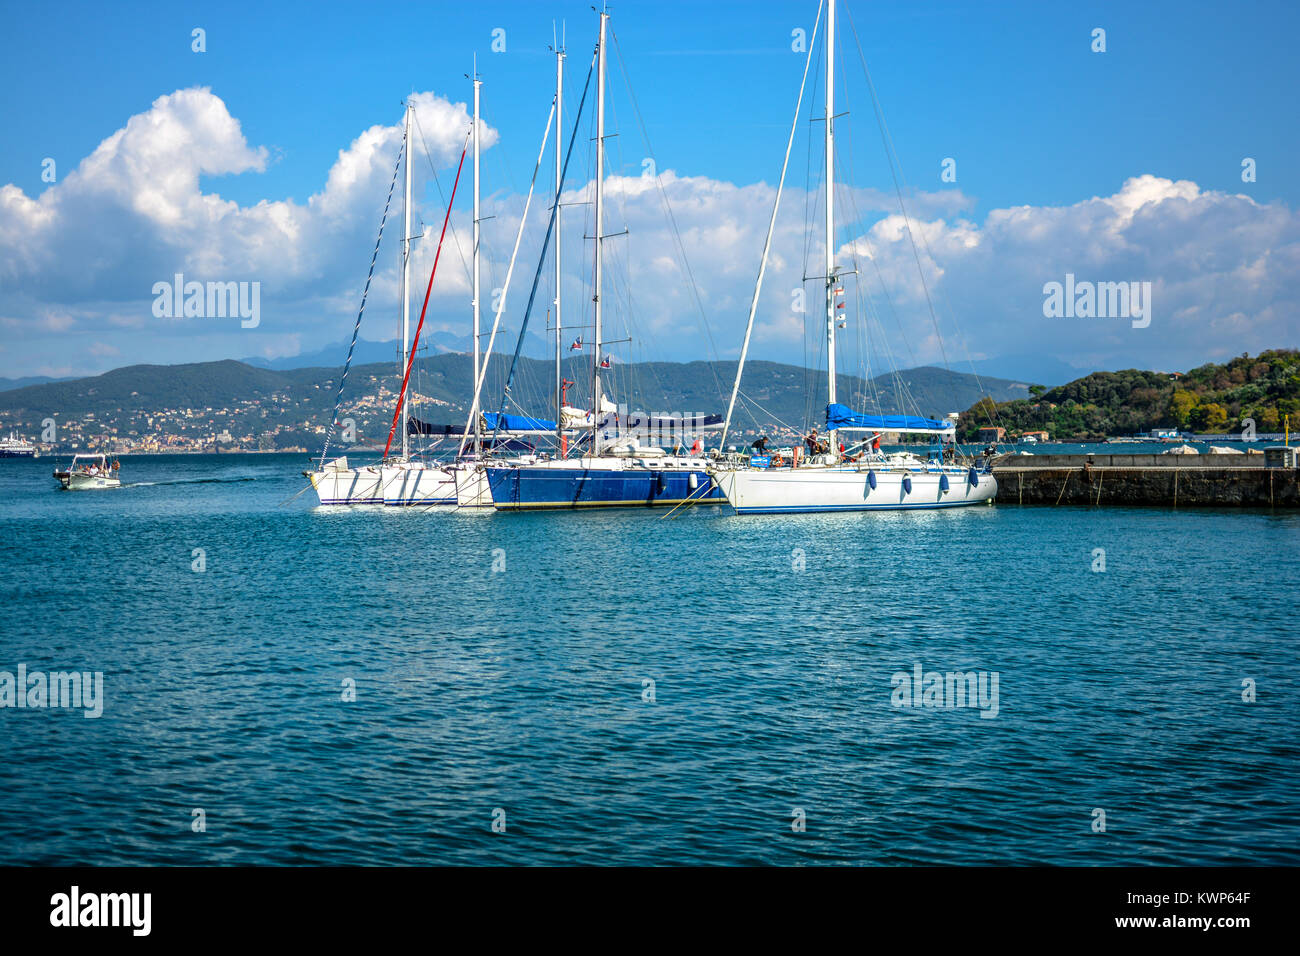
760, 446
812, 442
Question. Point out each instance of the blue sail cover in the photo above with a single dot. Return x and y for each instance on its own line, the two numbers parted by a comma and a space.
517, 423
841, 416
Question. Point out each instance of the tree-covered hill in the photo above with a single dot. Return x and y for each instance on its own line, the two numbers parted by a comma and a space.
1214, 398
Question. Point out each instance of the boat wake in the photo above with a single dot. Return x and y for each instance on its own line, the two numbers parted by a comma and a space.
191, 481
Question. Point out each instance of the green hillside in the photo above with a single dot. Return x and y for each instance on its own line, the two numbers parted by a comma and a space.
1213, 398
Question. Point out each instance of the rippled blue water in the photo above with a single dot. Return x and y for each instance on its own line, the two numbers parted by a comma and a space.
522, 689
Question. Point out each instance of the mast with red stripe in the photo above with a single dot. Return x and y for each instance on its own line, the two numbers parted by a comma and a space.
410, 358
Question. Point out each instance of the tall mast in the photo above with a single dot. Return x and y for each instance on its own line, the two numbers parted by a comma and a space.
478, 430
406, 271
767, 243
559, 176
830, 203
600, 189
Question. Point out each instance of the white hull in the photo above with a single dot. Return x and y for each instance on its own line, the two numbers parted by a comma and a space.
80, 482
848, 488
472, 487
347, 486
417, 483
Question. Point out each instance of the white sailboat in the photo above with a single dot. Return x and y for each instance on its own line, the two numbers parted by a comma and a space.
397, 480
402, 480
335, 481
338, 483
461, 481
835, 478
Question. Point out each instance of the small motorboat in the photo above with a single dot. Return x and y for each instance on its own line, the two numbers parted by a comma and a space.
88, 472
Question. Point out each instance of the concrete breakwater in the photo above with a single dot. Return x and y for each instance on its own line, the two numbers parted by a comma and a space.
1173, 480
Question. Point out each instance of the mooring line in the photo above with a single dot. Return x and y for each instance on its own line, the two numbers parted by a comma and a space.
1063, 484
687, 499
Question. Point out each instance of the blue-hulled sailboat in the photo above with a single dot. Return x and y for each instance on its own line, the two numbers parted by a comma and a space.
615, 470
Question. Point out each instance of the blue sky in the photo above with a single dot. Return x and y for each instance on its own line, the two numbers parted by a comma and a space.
1012, 91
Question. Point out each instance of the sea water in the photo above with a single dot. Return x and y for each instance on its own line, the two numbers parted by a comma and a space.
289, 684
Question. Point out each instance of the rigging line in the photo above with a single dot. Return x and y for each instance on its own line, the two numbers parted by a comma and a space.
767, 243
862, 326
865, 239
338, 399
810, 192
902, 391
891, 156
621, 286
754, 406
894, 371
410, 359
501, 303
455, 239
672, 219
903, 394
541, 262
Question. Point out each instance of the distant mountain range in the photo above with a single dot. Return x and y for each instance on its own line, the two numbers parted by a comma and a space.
288, 404
1036, 369
366, 352
7, 384
1029, 368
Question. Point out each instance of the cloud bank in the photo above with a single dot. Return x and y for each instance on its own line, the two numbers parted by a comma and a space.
77, 262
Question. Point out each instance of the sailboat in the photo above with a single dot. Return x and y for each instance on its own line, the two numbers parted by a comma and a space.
835, 477
335, 480
615, 470
399, 480
470, 467
404, 481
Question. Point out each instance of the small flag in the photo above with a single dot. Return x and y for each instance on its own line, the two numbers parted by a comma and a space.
840, 306
697, 448
577, 345
605, 362
840, 290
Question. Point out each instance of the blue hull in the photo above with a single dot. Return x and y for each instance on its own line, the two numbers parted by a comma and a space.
522, 488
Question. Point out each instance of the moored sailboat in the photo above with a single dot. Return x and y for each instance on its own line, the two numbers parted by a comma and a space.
335, 480
613, 472
400, 480
833, 477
